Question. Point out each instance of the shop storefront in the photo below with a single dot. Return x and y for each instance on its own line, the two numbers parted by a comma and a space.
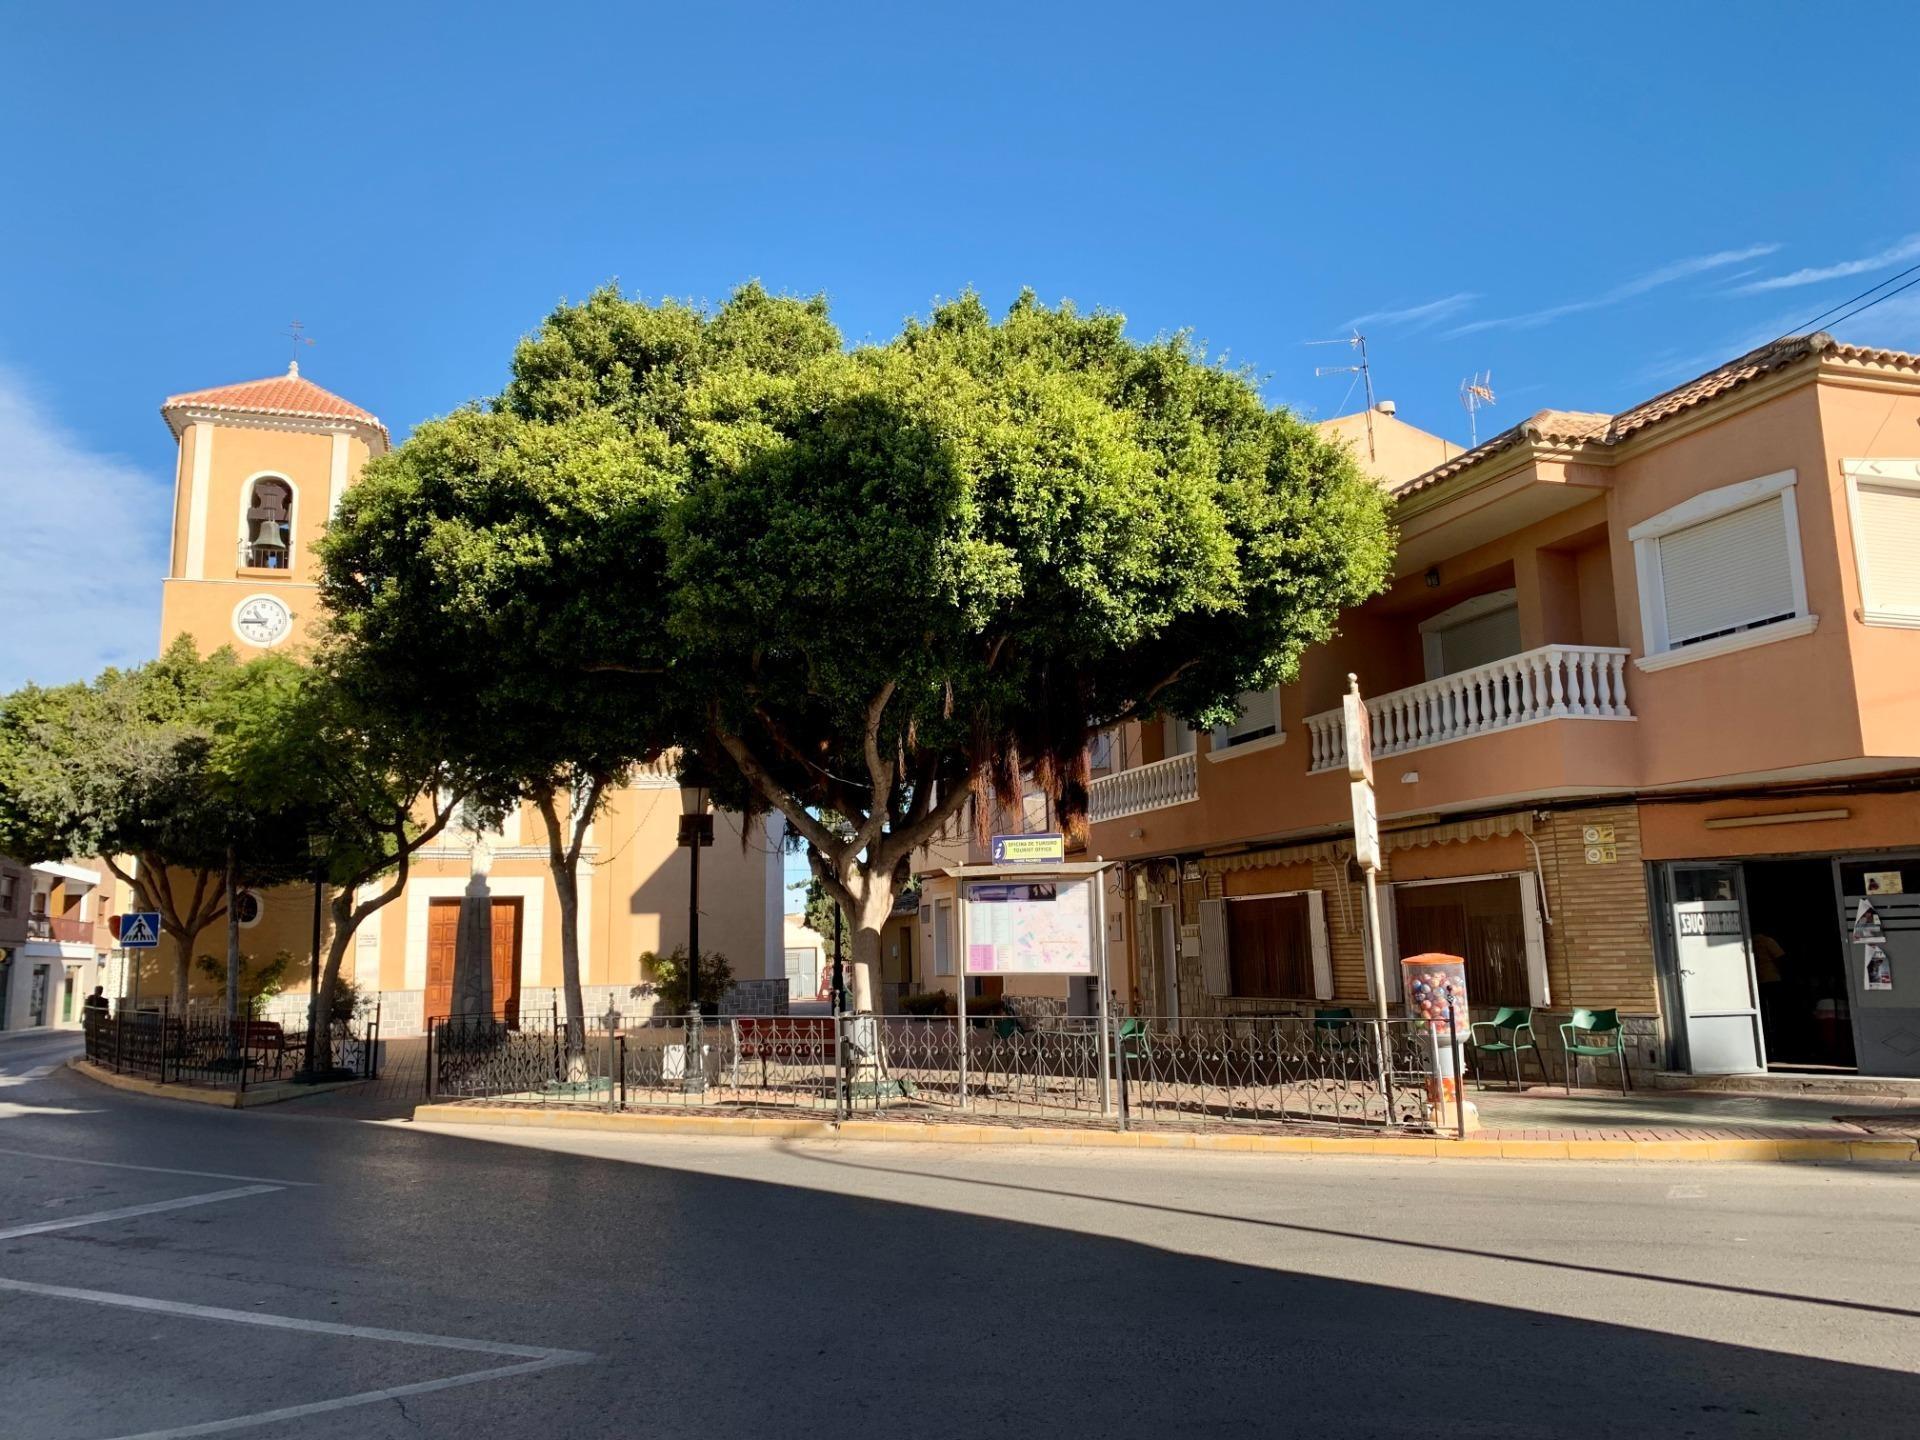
1797, 963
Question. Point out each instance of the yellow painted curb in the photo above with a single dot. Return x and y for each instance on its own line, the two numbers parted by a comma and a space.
136, 1085
1404, 1146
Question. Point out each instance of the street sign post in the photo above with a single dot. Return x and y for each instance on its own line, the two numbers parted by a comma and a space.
1358, 724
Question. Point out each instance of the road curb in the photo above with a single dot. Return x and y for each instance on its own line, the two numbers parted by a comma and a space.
1877, 1150
269, 1094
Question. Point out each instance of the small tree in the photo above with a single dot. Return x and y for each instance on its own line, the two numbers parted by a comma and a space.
669, 972
131, 767
374, 788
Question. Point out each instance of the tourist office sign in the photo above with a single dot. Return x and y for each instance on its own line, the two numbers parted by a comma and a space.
1048, 849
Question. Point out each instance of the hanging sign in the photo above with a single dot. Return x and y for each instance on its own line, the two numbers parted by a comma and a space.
1029, 849
1366, 826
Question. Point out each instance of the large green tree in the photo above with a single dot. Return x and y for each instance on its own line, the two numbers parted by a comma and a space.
878, 580
898, 574
474, 577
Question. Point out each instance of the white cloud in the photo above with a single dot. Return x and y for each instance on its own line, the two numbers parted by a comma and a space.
1907, 249
1625, 290
1415, 317
86, 540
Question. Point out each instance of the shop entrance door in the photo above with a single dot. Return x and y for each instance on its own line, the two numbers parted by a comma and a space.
1721, 1013
1798, 964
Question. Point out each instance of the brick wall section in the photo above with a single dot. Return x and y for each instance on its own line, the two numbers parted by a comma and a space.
1600, 945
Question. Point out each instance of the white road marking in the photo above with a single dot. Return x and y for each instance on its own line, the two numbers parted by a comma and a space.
364, 1397
1686, 1192
39, 1072
128, 1212
532, 1358
156, 1169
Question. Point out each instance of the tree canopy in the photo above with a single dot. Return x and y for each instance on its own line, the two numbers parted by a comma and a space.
870, 580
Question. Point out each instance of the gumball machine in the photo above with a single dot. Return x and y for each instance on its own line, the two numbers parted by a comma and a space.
1435, 986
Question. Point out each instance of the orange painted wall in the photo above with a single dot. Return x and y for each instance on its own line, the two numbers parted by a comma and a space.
1678, 831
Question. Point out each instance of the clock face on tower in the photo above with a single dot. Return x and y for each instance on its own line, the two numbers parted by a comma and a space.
261, 620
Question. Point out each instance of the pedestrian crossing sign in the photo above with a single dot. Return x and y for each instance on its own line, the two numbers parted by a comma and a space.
140, 930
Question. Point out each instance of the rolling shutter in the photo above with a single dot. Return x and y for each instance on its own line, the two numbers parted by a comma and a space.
1887, 536
1213, 946
1728, 573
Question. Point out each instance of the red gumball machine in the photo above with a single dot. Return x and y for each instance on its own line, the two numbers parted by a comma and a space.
1435, 985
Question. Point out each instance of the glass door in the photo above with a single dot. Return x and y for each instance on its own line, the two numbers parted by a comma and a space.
1713, 955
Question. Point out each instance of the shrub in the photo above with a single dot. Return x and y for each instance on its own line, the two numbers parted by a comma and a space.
669, 973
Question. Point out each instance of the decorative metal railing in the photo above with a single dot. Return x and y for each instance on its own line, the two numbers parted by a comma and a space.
1279, 1070
1173, 781
1580, 682
202, 1047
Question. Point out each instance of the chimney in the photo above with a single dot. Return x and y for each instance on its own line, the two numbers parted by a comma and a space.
1385, 407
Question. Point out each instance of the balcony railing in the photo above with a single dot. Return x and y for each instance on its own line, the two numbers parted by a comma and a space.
70, 929
1173, 781
1574, 682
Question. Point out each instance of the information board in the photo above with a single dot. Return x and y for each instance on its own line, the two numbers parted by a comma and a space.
1029, 927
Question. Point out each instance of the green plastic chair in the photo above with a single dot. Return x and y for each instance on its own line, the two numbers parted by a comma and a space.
1511, 1022
1333, 1027
1596, 1023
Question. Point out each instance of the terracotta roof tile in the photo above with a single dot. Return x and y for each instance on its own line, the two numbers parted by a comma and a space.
288, 394
1578, 427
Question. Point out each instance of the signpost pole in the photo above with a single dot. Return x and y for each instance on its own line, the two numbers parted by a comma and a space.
1099, 903
1358, 727
960, 924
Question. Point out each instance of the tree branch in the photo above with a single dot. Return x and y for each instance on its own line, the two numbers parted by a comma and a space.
817, 835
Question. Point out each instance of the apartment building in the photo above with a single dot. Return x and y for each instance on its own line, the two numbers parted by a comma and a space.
1646, 734
53, 943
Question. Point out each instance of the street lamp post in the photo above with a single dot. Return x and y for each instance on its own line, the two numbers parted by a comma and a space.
696, 832
319, 845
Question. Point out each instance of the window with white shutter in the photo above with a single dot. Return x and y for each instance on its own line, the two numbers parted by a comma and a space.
1726, 574
1259, 719
1721, 571
1883, 499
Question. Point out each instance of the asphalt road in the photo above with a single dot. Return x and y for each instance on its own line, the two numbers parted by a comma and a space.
168, 1271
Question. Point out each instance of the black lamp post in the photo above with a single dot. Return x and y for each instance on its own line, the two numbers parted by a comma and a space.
319, 846
696, 831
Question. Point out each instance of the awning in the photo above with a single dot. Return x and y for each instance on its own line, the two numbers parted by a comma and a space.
1518, 822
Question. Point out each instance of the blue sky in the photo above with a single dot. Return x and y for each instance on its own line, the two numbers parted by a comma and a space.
1593, 206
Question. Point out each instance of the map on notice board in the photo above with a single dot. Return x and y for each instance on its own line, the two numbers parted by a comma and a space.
1029, 927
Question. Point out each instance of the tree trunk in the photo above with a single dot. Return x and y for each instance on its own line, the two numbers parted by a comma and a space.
873, 908
233, 950
343, 933
182, 967
567, 885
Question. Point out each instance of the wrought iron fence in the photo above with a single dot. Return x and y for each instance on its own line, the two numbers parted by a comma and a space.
201, 1047
1359, 1073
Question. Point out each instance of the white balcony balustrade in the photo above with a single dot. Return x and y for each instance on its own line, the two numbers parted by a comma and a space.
1555, 682
1173, 781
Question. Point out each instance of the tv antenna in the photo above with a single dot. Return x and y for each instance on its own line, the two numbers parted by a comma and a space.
1476, 393
1361, 373
296, 337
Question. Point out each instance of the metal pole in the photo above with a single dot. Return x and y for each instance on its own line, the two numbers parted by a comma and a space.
960, 926
1100, 945
313, 979
1459, 1079
693, 926
1375, 951
839, 966
1436, 1087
